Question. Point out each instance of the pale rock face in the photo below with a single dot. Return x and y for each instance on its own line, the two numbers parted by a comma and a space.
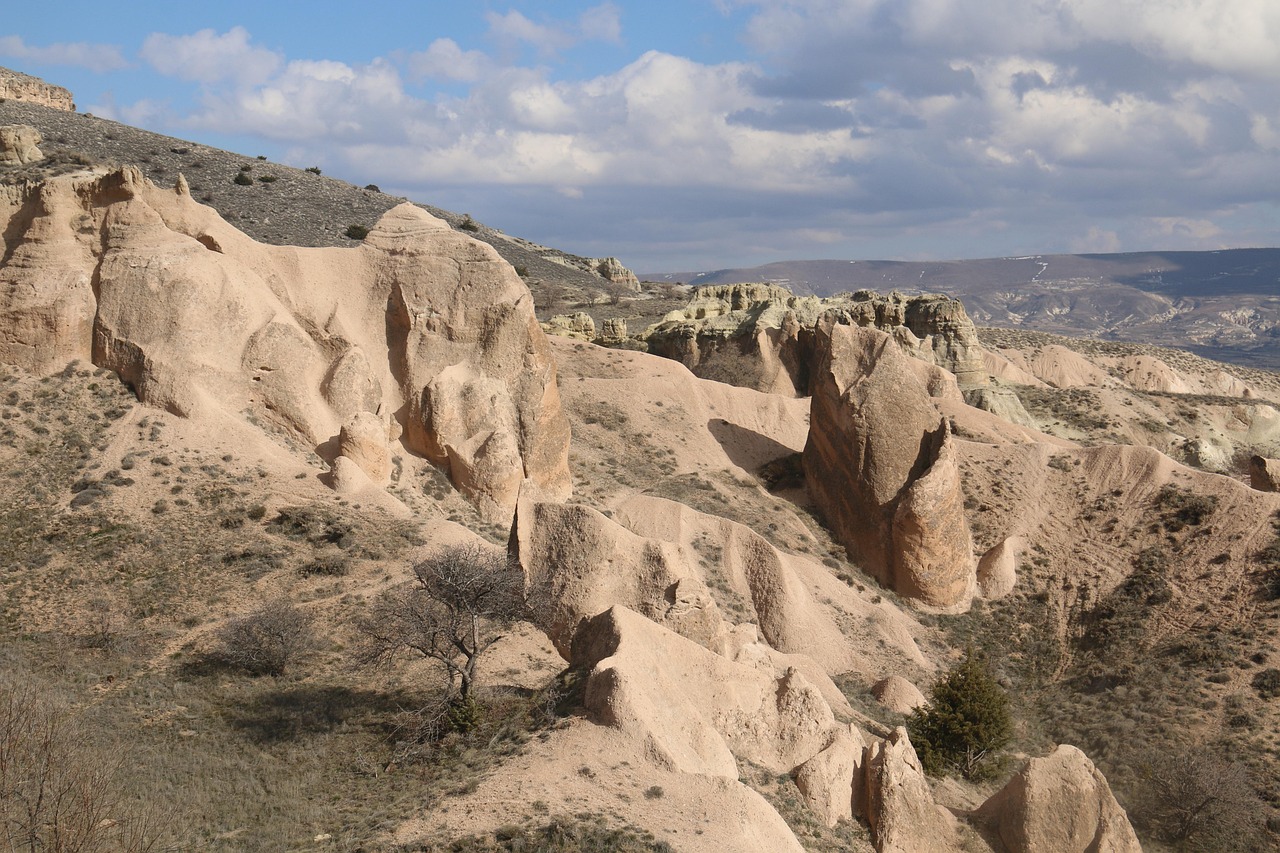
19, 145
998, 568
1264, 474
694, 710
900, 806
363, 440
578, 325
1060, 804
880, 462
33, 90
898, 695
1001, 402
827, 780
419, 320
614, 329
577, 563
611, 269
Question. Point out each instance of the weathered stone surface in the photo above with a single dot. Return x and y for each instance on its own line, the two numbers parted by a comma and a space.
999, 401
1264, 474
1060, 804
760, 335
898, 695
24, 87
19, 145
899, 804
612, 270
419, 320
932, 547
880, 464
577, 325
693, 709
577, 563
613, 329
998, 568
826, 781
363, 440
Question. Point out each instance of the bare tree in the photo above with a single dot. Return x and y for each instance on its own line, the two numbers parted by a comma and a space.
455, 607
58, 793
1197, 800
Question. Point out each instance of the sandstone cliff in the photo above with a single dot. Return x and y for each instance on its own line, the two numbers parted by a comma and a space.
24, 87
420, 326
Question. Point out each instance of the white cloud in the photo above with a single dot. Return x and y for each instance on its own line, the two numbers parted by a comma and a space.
99, 58
513, 27
601, 23
209, 57
445, 60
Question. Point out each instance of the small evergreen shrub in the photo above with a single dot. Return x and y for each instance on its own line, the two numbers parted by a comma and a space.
966, 722
356, 232
242, 179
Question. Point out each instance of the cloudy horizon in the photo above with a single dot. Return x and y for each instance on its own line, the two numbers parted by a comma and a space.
731, 132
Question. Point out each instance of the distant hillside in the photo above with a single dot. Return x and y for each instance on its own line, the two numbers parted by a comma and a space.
1223, 304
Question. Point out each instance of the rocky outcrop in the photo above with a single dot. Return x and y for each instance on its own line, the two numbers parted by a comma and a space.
898, 695
1059, 804
577, 563
831, 781
1264, 474
761, 335
880, 464
899, 805
612, 270
998, 568
363, 440
419, 320
613, 331
19, 145
1002, 402
33, 90
578, 325
694, 710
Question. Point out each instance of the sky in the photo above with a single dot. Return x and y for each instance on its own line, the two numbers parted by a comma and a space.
704, 134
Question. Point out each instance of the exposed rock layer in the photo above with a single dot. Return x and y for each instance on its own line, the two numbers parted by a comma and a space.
24, 87
419, 320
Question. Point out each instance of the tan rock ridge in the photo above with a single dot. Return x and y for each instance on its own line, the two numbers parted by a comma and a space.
19, 145
420, 323
24, 87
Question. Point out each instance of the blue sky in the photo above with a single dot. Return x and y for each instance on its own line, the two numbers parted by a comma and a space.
714, 133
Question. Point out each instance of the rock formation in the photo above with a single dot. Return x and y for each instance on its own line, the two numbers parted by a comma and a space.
696, 710
998, 568
363, 440
577, 325
1264, 474
1060, 804
24, 87
19, 145
898, 695
899, 805
419, 320
880, 464
612, 270
831, 781
761, 335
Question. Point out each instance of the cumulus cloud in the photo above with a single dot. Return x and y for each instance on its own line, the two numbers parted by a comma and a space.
99, 58
946, 127
210, 57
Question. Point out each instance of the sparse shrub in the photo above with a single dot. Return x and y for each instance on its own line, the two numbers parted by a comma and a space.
373, 188
966, 722
1267, 683
329, 565
269, 640
1196, 800
242, 179
356, 232
469, 224
315, 170
1181, 509
267, 179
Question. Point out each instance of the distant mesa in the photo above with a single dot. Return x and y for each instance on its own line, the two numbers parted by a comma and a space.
33, 90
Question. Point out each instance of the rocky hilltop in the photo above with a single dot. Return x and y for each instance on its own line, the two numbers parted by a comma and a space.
727, 607
32, 90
